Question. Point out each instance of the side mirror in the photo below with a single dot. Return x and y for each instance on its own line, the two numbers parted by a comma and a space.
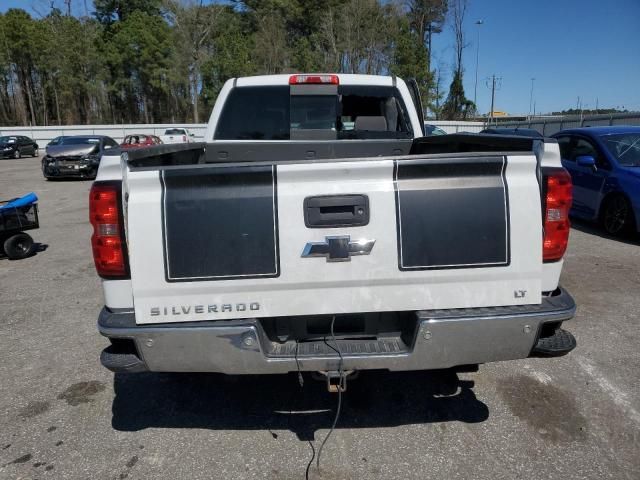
586, 161
192, 134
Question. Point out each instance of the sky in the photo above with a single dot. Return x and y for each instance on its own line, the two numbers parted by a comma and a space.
573, 48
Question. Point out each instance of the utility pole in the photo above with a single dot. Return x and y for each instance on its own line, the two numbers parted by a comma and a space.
493, 96
531, 96
596, 105
475, 88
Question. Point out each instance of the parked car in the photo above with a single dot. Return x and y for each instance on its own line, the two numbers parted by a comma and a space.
317, 206
521, 132
76, 156
604, 163
433, 130
17, 146
177, 135
139, 141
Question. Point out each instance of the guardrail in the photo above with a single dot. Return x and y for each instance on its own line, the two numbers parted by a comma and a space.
44, 135
549, 126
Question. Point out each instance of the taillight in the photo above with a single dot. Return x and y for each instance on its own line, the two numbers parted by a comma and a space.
557, 191
107, 241
184, 138
314, 79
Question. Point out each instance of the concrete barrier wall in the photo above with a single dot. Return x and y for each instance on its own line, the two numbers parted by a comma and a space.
44, 135
549, 126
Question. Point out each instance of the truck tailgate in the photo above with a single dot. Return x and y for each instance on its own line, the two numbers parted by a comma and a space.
265, 239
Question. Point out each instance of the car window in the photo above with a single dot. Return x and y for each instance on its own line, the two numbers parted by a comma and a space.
272, 113
175, 131
565, 147
584, 147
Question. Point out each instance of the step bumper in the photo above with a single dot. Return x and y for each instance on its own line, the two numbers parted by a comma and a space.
444, 339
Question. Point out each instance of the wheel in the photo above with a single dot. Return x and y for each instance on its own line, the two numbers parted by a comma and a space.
18, 246
17, 154
617, 215
36, 153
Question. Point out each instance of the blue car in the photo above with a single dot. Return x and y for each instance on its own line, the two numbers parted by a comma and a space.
604, 163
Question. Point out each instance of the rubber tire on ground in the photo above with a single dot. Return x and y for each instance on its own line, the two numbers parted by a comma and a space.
17, 154
36, 153
617, 215
18, 246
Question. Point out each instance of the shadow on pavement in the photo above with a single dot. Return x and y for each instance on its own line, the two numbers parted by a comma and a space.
277, 402
595, 229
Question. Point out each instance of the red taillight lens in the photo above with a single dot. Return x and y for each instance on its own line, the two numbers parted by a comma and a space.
184, 138
314, 79
107, 240
557, 202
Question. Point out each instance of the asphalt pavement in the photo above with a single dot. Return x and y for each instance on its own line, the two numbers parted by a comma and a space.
63, 416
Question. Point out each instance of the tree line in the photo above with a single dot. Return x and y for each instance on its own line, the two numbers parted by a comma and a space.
151, 61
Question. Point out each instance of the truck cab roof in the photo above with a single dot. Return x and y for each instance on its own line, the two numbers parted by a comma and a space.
344, 79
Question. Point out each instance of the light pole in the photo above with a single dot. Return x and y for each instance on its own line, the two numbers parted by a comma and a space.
531, 97
475, 88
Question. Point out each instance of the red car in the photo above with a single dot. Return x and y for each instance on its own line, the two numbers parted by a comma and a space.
140, 140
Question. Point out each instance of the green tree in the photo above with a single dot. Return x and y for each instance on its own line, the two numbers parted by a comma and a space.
138, 54
410, 59
232, 56
110, 11
457, 106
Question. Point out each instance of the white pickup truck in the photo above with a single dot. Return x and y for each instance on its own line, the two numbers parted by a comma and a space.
177, 135
318, 230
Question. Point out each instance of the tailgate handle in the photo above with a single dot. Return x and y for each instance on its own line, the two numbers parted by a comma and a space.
336, 211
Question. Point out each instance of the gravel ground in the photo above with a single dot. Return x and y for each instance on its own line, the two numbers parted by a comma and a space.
64, 416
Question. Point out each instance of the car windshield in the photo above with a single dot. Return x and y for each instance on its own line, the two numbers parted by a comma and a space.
625, 147
79, 141
7, 139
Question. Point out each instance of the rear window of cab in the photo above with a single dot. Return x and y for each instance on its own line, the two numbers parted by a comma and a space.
272, 113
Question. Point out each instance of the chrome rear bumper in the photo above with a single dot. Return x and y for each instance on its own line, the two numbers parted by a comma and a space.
444, 339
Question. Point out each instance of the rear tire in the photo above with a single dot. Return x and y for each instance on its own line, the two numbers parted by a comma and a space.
617, 215
18, 246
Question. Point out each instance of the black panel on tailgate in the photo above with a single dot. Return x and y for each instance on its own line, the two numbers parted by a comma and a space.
220, 223
452, 214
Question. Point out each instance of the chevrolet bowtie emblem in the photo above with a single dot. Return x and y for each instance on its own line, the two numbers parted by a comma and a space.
338, 249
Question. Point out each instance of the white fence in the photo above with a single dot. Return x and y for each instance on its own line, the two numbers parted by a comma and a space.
549, 126
44, 135
456, 126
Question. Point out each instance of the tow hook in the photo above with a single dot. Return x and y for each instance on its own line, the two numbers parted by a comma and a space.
337, 380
